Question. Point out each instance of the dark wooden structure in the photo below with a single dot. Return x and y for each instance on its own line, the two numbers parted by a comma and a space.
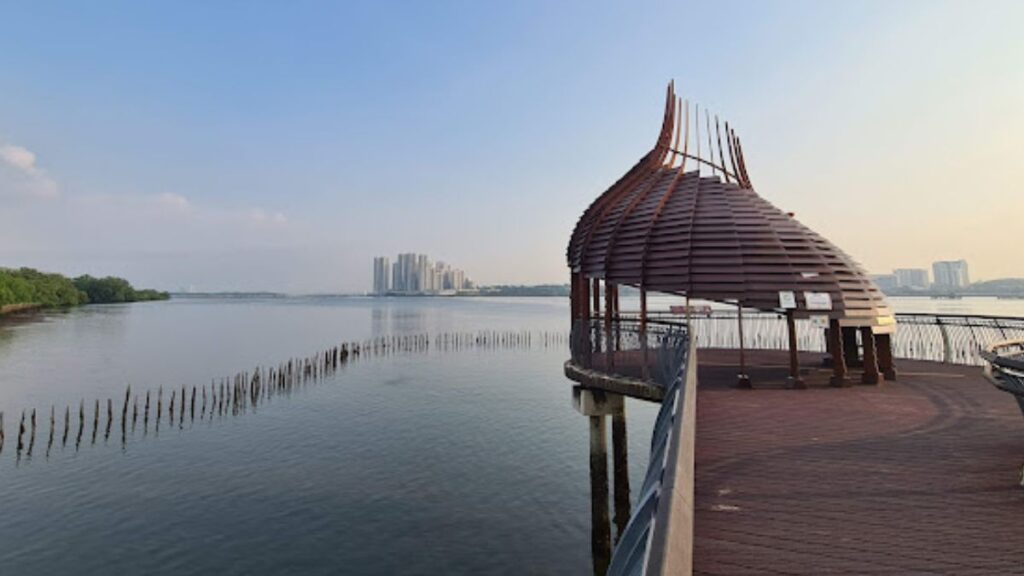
686, 220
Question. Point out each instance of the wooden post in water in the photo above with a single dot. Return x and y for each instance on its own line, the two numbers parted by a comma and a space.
67, 424
32, 437
53, 425
110, 418
21, 432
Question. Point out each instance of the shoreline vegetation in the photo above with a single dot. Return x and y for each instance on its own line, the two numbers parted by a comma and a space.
25, 289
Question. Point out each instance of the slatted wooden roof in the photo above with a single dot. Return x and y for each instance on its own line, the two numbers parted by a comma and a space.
686, 220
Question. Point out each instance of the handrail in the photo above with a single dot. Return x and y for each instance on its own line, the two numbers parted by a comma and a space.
658, 540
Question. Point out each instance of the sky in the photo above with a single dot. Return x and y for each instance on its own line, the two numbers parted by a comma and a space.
280, 146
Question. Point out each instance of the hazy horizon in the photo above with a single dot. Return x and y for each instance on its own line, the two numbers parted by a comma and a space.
269, 148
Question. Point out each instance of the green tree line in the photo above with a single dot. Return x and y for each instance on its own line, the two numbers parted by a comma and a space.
26, 286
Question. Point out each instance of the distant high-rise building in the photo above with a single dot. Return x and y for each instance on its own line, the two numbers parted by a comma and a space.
381, 275
885, 282
416, 274
405, 275
950, 274
912, 278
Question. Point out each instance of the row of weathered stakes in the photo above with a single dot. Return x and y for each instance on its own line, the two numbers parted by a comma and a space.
237, 394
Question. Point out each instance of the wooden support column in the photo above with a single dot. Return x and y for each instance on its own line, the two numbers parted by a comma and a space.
850, 350
871, 374
794, 358
742, 380
608, 307
615, 317
584, 297
594, 329
574, 299
645, 369
885, 361
583, 303
835, 333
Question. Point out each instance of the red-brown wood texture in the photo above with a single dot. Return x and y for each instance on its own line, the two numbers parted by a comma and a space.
668, 226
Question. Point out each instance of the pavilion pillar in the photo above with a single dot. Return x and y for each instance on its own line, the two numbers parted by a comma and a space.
615, 316
608, 306
594, 329
583, 306
645, 369
850, 349
742, 380
794, 357
835, 333
883, 343
871, 374
574, 299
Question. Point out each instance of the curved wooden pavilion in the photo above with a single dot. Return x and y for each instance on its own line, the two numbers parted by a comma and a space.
686, 220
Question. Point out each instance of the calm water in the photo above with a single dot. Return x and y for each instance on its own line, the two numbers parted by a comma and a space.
464, 462
458, 462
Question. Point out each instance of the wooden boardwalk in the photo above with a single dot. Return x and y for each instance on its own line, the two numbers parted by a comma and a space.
917, 476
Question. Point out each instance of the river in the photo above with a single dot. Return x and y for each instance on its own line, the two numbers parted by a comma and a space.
463, 461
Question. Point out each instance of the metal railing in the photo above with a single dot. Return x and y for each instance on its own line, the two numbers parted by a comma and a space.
950, 338
627, 347
659, 536
1005, 367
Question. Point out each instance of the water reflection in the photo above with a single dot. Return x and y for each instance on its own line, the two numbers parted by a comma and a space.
598, 406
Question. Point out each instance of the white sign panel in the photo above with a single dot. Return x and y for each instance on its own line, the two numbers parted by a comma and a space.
787, 300
818, 300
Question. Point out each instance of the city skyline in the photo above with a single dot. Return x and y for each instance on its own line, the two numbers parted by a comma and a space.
945, 275
413, 273
267, 141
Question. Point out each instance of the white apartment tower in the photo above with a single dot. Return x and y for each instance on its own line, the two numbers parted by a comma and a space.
913, 278
950, 274
381, 275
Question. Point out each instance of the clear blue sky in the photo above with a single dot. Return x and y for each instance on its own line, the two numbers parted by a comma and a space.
279, 146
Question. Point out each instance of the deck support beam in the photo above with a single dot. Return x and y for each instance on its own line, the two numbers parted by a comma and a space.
600, 527
620, 471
